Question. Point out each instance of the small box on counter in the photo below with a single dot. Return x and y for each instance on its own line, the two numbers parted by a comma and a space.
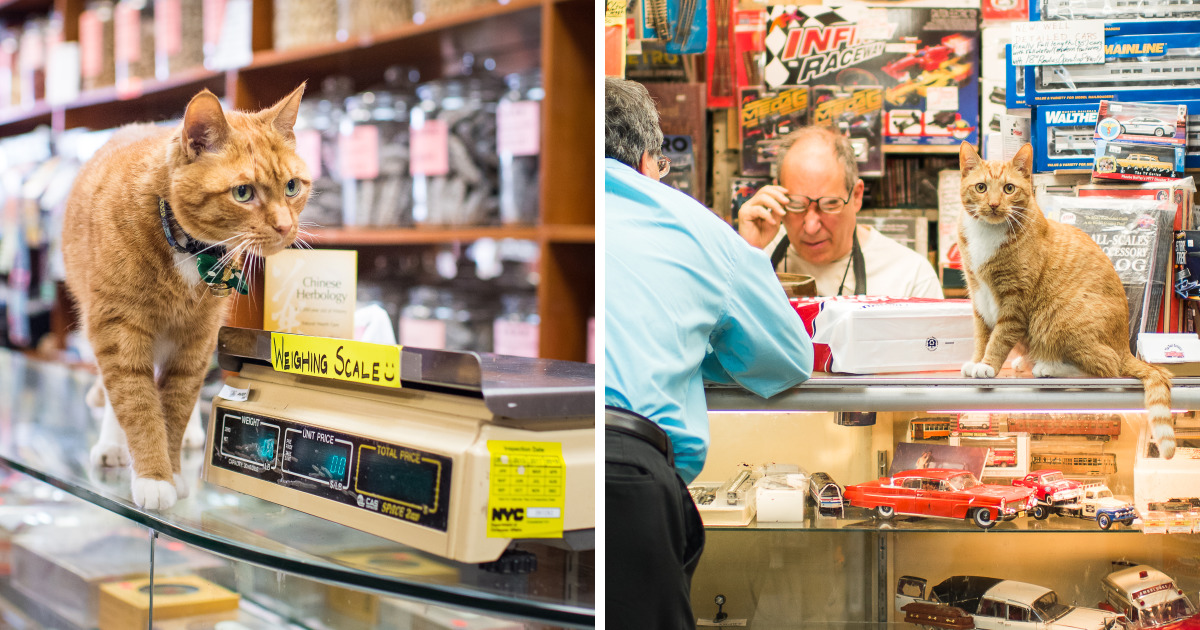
874, 335
1178, 352
125, 605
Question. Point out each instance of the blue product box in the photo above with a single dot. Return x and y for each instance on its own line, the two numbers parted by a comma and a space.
1137, 68
1063, 136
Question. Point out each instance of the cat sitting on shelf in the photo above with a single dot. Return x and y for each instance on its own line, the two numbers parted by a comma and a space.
1046, 287
158, 229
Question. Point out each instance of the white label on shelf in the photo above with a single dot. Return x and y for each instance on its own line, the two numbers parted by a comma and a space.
228, 392
62, 74
423, 333
1057, 42
518, 128
518, 339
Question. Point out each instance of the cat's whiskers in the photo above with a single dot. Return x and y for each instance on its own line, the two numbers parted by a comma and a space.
217, 244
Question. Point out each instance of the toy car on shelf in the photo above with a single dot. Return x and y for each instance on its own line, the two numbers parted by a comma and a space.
1050, 487
941, 493
995, 604
1143, 161
1147, 126
827, 494
1148, 598
1097, 503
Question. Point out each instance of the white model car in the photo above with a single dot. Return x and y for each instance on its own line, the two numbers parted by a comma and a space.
1157, 480
996, 604
1147, 126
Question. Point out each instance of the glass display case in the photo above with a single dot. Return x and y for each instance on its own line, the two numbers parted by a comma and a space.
80, 554
1084, 550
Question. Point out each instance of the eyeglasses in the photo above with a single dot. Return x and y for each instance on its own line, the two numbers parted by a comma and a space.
664, 166
799, 204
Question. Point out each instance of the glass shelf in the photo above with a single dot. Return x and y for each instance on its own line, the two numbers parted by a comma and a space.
858, 519
46, 431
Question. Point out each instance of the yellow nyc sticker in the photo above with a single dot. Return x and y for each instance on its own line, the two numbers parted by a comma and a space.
340, 359
527, 489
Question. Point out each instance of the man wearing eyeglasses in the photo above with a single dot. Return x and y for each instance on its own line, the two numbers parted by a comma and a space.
817, 203
685, 301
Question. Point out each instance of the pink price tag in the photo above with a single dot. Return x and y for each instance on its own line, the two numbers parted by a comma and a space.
127, 30
358, 153
429, 146
308, 147
591, 343
214, 17
518, 128
423, 333
91, 44
168, 26
518, 339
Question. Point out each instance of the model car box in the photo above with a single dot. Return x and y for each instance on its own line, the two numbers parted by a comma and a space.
872, 335
1144, 141
1063, 135
1138, 67
926, 60
857, 112
766, 119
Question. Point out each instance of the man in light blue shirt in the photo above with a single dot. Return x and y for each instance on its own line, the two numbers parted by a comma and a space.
686, 300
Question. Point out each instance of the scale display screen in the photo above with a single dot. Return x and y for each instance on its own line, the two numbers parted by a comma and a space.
390, 479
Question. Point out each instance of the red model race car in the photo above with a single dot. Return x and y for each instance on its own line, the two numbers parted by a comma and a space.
1050, 487
941, 493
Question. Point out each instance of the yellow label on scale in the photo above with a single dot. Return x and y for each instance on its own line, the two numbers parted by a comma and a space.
527, 491
340, 359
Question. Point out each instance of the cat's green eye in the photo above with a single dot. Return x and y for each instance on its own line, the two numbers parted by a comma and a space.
1010, 189
243, 193
981, 187
293, 187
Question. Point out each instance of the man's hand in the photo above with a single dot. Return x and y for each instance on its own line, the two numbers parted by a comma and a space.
759, 218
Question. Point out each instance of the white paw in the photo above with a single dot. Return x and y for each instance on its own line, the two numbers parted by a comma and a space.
181, 486
107, 454
1046, 369
1018, 364
978, 370
153, 494
193, 435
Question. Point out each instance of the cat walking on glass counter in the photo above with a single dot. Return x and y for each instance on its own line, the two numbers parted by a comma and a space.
1046, 288
158, 227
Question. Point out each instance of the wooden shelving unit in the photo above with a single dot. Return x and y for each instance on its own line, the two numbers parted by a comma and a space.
556, 35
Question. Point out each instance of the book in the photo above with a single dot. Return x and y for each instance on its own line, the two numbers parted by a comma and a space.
1136, 236
311, 292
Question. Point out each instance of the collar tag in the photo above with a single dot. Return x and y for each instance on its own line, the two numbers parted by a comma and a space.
222, 281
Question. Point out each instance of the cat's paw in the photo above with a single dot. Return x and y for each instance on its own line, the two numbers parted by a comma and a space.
181, 486
1018, 364
153, 494
110, 455
978, 370
1062, 369
193, 435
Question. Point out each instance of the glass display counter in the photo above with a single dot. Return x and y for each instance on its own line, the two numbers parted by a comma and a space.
859, 567
287, 568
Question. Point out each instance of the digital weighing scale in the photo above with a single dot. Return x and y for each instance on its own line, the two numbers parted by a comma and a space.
468, 454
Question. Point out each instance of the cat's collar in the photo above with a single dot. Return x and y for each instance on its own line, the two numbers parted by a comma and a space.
222, 280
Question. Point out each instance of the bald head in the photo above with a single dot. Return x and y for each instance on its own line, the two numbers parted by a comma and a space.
823, 145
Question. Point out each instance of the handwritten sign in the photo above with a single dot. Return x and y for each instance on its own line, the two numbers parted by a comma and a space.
340, 359
1064, 42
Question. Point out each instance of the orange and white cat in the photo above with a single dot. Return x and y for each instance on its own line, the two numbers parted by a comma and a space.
1045, 287
222, 183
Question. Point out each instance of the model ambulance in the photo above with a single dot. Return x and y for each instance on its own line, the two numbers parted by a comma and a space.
1148, 599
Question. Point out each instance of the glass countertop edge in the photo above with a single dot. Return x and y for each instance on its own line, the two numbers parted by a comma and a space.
477, 601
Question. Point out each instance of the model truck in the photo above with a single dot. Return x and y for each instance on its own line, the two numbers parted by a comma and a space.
1097, 503
969, 601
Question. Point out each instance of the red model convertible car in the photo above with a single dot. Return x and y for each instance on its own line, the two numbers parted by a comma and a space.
942, 493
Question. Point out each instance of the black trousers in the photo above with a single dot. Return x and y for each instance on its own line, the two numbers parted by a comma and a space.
653, 538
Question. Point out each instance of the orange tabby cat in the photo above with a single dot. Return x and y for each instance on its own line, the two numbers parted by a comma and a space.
232, 184
1046, 286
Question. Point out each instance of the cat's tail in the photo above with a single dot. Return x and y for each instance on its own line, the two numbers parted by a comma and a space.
1156, 381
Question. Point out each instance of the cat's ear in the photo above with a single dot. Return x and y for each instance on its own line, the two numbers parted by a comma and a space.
968, 158
205, 129
282, 115
1023, 160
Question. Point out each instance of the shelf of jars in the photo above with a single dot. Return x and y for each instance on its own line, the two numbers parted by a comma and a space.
52, 430
354, 236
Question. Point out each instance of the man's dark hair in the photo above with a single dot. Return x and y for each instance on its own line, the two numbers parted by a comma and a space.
630, 122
